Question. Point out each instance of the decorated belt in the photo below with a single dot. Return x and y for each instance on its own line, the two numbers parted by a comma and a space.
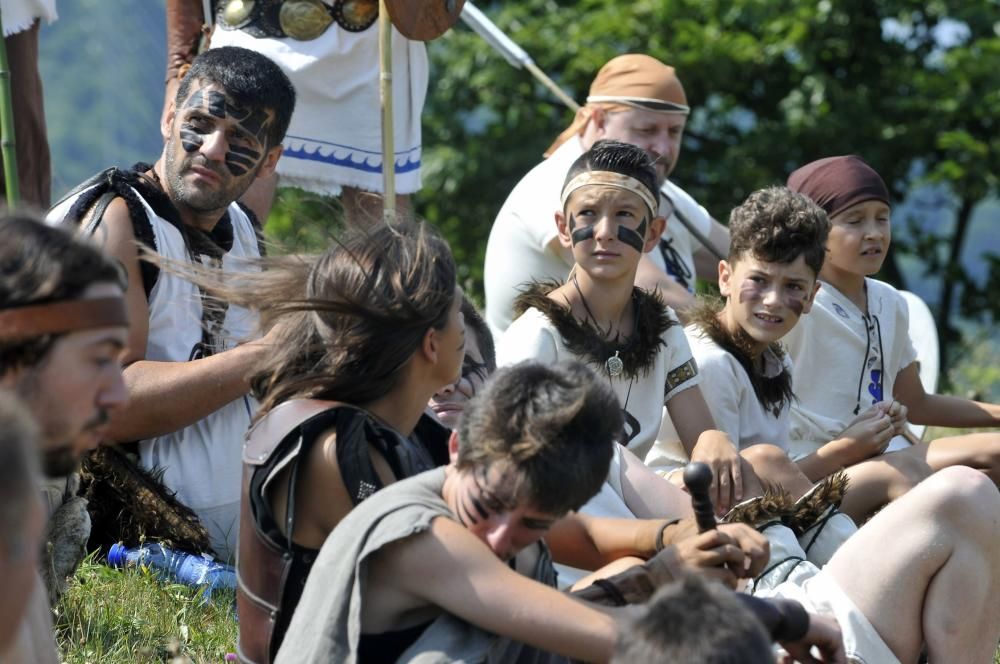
298, 19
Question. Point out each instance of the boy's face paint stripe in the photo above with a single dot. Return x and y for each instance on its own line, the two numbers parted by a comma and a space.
578, 235
634, 238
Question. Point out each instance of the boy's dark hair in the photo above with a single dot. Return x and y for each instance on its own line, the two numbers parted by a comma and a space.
550, 428
693, 621
777, 225
40, 264
474, 321
617, 157
251, 79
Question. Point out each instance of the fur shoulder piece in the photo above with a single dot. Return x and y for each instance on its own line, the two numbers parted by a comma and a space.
774, 392
584, 339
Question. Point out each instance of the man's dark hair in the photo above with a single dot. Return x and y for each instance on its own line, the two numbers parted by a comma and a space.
690, 621
251, 79
550, 428
474, 321
777, 225
617, 157
41, 264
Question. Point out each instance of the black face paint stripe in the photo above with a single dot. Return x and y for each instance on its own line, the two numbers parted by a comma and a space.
191, 141
578, 235
634, 238
479, 507
240, 160
216, 104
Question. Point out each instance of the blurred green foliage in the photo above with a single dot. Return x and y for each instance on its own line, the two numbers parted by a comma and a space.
912, 86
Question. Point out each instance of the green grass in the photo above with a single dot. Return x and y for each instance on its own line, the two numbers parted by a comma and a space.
109, 616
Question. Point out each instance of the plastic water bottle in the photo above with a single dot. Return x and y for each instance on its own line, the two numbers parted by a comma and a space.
179, 566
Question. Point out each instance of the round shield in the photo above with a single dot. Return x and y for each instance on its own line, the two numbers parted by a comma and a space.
424, 20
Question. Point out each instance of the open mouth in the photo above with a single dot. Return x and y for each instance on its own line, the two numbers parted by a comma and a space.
874, 251
769, 318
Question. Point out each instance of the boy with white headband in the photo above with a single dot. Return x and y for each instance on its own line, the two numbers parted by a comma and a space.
625, 333
635, 99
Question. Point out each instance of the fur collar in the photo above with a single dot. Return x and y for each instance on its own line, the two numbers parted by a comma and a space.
584, 339
774, 392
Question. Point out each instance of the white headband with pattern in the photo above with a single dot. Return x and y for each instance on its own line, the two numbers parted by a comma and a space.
611, 179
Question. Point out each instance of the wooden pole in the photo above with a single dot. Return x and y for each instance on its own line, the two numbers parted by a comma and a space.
7, 142
385, 94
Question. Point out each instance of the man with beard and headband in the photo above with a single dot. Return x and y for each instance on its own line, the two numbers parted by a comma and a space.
63, 327
634, 99
189, 357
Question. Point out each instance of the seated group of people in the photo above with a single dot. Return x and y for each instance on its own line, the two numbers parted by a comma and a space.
400, 497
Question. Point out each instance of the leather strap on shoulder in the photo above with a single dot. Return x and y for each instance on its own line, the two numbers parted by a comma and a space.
284, 418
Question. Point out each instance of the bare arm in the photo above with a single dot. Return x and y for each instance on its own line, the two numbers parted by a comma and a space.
866, 436
650, 277
450, 568
705, 262
940, 409
694, 424
184, 24
166, 396
649, 496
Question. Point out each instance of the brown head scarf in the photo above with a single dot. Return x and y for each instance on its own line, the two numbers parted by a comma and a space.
837, 183
629, 81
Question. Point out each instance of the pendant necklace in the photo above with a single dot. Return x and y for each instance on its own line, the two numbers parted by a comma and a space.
613, 364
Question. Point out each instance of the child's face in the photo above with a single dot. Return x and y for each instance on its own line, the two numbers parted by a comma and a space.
766, 299
608, 229
859, 239
504, 524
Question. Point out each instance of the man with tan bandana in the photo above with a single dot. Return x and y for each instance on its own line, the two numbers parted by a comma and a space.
635, 99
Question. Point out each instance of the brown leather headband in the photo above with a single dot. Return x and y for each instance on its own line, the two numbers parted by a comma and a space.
65, 316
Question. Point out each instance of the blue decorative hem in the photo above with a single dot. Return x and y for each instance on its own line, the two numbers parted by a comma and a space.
350, 157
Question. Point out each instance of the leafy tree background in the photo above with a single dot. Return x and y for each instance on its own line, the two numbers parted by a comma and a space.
914, 87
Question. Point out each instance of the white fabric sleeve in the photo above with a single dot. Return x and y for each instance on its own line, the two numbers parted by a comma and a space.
682, 370
527, 339
723, 392
908, 352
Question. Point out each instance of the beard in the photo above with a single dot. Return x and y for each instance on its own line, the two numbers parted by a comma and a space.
177, 163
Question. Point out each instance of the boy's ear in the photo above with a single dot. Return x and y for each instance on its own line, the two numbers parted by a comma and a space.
808, 304
564, 237
453, 447
725, 278
599, 118
653, 233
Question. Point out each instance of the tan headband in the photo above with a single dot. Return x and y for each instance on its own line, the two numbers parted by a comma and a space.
66, 316
610, 179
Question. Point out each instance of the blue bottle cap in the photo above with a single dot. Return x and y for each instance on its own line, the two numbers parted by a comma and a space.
116, 556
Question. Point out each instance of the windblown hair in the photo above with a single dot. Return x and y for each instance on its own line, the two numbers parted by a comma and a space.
40, 264
694, 620
617, 157
18, 475
349, 320
253, 81
550, 428
474, 321
777, 225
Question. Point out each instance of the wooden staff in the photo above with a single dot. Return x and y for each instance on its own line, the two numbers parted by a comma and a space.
7, 142
385, 94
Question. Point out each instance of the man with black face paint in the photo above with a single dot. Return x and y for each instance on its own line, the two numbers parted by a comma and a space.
188, 357
63, 326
